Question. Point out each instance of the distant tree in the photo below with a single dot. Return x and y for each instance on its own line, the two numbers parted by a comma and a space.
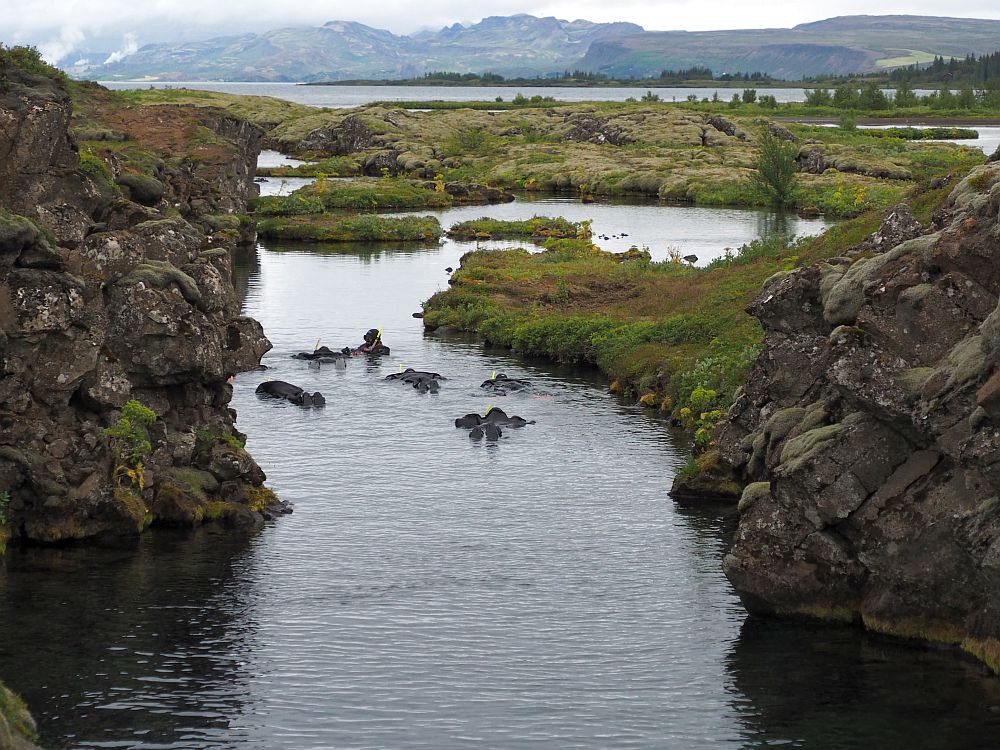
845, 97
818, 98
749, 96
905, 97
872, 97
776, 168
966, 98
768, 102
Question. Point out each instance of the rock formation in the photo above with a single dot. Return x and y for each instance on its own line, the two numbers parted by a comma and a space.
868, 433
116, 298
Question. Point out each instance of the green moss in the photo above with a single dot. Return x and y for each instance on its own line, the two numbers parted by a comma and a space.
159, 274
844, 295
202, 484
218, 222
260, 497
752, 494
142, 188
17, 232
912, 380
966, 361
806, 446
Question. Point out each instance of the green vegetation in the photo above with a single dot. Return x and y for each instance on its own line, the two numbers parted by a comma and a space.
332, 166
359, 195
15, 721
537, 227
28, 60
677, 335
130, 443
776, 168
366, 228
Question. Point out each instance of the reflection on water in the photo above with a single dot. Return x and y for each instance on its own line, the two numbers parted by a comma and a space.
822, 687
432, 592
154, 635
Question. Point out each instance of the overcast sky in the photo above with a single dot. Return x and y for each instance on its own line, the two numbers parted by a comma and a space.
60, 27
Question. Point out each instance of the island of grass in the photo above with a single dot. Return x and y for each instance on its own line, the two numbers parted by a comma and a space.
377, 194
537, 228
339, 228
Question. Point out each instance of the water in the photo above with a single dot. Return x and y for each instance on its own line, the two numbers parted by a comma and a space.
356, 96
703, 231
431, 592
662, 229
988, 140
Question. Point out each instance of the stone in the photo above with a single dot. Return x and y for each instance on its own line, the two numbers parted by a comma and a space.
103, 302
867, 434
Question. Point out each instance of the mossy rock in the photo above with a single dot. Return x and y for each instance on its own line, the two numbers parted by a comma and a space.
17, 233
752, 493
807, 446
219, 222
202, 484
142, 188
913, 379
844, 296
159, 274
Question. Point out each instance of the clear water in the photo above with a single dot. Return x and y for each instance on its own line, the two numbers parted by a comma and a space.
432, 592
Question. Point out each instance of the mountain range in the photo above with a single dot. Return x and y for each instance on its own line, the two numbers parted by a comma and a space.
524, 45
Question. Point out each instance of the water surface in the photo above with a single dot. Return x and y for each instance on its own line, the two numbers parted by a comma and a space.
432, 592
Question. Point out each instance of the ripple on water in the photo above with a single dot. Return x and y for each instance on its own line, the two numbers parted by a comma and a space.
430, 592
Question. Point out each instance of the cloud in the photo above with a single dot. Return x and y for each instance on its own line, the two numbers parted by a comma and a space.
55, 49
57, 26
129, 47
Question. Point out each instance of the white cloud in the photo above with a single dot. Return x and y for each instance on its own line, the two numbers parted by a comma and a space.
101, 23
56, 48
129, 47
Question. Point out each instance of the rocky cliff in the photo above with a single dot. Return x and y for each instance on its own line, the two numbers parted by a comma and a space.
868, 433
119, 326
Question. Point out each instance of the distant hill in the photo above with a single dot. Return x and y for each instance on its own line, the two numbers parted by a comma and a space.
847, 44
523, 45
511, 46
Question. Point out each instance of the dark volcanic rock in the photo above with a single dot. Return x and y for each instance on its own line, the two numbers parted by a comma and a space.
868, 434
139, 307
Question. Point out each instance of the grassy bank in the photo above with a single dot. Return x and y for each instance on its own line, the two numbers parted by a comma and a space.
336, 228
673, 335
537, 228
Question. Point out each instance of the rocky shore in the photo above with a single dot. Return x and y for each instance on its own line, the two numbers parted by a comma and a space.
119, 325
868, 433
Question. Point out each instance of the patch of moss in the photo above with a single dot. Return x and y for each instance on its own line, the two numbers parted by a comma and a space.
132, 506
913, 379
142, 188
260, 497
202, 484
806, 446
159, 274
753, 493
